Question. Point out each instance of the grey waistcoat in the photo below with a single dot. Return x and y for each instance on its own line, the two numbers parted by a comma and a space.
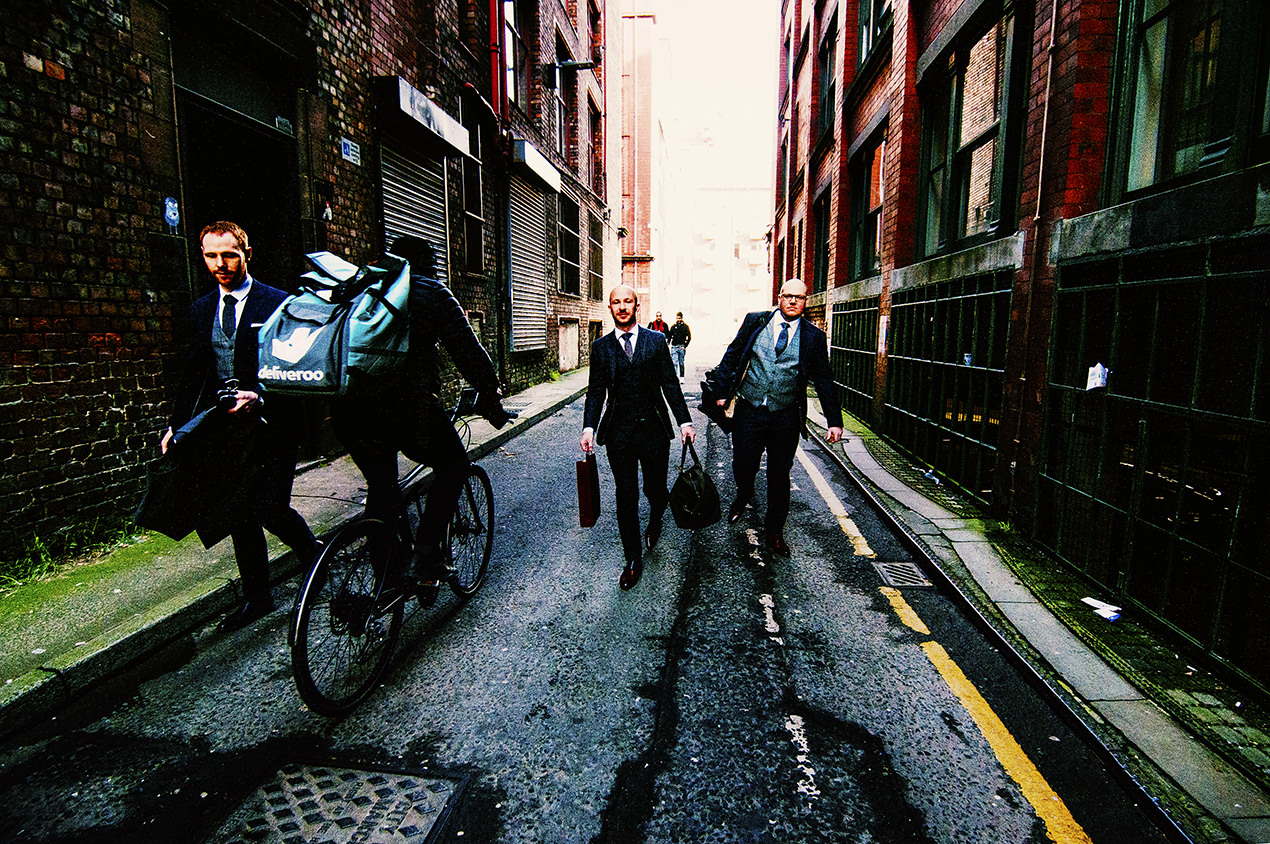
770, 380
224, 348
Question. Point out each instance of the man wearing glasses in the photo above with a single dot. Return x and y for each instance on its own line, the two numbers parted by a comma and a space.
767, 367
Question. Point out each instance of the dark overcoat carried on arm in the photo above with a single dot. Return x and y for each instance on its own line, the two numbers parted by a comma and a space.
244, 467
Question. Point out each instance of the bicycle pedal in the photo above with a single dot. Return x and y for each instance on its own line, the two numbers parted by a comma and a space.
426, 592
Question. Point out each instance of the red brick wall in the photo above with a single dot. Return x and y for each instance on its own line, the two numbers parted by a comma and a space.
94, 286
88, 292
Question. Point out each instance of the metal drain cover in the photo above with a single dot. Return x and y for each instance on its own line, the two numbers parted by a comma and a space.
901, 574
328, 805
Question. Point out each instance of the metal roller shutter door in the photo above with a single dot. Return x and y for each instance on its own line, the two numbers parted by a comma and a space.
528, 217
415, 203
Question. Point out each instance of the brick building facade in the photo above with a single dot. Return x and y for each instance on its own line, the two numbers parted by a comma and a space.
993, 198
129, 124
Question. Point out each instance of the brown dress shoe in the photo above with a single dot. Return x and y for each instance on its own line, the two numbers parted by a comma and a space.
631, 574
776, 542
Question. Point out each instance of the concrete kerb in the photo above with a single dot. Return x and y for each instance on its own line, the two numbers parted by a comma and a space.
942, 552
66, 677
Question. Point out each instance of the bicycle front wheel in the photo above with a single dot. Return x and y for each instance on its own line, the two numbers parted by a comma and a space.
345, 627
471, 533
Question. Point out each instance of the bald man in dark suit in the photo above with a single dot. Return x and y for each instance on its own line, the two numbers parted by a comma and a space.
632, 379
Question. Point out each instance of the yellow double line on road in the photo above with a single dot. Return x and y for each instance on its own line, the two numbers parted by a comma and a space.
1060, 826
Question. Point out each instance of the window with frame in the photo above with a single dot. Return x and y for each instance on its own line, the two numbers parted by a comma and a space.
828, 88
595, 154
794, 165
595, 261
473, 195
869, 172
568, 246
965, 116
595, 26
1179, 102
566, 99
874, 23
787, 66
821, 232
516, 57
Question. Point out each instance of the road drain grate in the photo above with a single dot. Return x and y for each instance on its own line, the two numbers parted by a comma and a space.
900, 575
328, 805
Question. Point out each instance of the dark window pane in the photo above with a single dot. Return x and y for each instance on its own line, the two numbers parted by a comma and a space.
1177, 323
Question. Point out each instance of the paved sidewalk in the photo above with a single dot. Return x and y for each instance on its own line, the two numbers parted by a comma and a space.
1196, 745
65, 635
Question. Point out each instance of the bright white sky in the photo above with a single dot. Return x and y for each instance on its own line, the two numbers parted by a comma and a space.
723, 71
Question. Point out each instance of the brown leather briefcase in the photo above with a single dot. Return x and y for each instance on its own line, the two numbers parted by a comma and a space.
588, 491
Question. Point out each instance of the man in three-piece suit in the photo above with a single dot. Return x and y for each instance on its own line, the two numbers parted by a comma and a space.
223, 346
767, 367
632, 379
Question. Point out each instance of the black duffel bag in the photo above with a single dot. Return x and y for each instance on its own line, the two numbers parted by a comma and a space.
694, 499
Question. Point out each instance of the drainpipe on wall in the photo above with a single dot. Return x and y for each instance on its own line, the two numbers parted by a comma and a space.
502, 233
1045, 111
1038, 255
496, 29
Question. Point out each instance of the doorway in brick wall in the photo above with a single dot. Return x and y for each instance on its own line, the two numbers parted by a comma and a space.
236, 170
568, 344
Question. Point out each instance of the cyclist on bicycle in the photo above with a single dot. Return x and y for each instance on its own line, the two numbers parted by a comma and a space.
405, 414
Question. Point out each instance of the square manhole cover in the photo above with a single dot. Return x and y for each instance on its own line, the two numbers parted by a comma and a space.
329, 805
900, 575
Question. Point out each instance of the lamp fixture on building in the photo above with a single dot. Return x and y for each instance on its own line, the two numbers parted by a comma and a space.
551, 70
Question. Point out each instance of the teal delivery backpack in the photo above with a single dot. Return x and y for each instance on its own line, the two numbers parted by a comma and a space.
347, 328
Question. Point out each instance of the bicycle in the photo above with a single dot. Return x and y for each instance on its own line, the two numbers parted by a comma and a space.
348, 612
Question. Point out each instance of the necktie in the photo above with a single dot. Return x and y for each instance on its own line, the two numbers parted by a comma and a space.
626, 340
783, 339
229, 316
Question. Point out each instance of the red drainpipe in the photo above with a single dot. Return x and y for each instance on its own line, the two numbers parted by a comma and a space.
496, 29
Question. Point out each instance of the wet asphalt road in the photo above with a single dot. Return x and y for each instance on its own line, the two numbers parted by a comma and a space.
733, 696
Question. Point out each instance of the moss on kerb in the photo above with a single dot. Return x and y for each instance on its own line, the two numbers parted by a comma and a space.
34, 595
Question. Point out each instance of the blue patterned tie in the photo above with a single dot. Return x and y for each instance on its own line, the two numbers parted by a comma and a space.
783, 340
626, 339
229, 316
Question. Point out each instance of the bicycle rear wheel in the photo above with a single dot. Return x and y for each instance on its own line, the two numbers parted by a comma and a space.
345, 628
471, 533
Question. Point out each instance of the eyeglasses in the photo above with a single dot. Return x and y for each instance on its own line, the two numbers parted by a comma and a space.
793, 297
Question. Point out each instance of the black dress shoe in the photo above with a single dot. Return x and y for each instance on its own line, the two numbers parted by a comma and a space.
244, 615
735, 511
777, 543
631, 574
652, 534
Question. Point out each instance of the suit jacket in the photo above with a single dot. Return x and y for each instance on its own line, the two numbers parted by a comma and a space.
198, 386
652, 380
813, 366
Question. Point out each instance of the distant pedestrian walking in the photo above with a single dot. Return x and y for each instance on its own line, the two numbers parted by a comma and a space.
680, 336
659, 324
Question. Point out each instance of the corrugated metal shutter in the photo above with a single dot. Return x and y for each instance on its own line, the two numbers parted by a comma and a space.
528, 215
414, 203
